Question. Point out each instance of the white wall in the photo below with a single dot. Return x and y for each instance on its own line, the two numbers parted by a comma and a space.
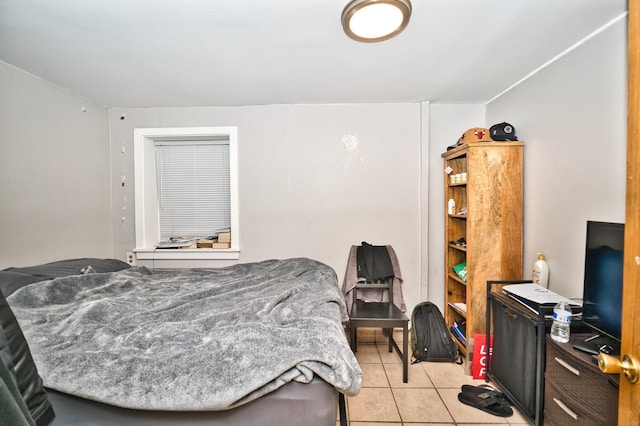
54, 173
572, 117
301, 193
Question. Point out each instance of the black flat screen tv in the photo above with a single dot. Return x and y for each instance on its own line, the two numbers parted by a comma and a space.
603, 266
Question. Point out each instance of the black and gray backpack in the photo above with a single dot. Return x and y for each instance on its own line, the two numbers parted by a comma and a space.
430, 337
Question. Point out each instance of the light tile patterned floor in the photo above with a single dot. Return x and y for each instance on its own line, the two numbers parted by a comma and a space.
429, 398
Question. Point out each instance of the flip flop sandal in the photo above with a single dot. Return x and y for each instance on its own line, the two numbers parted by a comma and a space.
488, 401
477, 390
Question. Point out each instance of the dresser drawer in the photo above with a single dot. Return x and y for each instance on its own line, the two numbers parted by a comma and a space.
580, 382
562, 411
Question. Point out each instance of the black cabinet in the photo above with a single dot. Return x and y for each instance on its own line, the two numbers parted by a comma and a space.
517, 361
550, 383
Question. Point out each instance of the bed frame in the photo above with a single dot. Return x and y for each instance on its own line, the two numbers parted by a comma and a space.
314, 403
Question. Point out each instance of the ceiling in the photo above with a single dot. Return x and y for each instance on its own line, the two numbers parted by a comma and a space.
149, 53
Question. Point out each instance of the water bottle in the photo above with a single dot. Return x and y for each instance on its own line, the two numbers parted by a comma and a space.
560, 328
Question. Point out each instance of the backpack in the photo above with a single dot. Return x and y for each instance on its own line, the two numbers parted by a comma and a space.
430, 338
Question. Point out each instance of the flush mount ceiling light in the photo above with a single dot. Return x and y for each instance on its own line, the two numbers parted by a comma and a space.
375, 20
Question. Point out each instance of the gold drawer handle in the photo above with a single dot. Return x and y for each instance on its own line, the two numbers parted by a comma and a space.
567, 366
565, 408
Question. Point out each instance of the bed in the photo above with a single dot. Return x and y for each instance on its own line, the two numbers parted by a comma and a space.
256, 343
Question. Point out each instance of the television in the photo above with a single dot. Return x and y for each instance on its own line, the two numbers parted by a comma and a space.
602, 291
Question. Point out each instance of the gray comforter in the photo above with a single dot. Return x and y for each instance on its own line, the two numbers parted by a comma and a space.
189, 339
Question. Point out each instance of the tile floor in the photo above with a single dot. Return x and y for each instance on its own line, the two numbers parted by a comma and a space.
429, 398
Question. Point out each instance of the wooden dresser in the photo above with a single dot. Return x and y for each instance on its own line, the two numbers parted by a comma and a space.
576, 392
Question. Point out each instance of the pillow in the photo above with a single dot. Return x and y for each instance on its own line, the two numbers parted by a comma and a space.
11, 281
64, 268
23, 368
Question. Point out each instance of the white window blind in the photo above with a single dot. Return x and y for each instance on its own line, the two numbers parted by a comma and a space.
193, 185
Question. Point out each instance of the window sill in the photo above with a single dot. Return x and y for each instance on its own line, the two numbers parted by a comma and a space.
186, 254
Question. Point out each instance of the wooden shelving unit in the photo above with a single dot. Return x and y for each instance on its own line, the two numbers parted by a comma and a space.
492, 226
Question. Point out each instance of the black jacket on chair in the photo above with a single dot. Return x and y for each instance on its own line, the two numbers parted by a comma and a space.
374, 262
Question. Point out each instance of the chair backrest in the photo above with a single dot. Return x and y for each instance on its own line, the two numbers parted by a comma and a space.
381, 284
375, 268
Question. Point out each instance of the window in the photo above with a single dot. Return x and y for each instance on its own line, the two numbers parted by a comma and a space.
192, 185
186, 185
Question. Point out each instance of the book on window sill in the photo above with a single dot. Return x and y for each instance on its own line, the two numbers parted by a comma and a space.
213, 244
178, 243
534, 297
205, 243
224, 237
219, 245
